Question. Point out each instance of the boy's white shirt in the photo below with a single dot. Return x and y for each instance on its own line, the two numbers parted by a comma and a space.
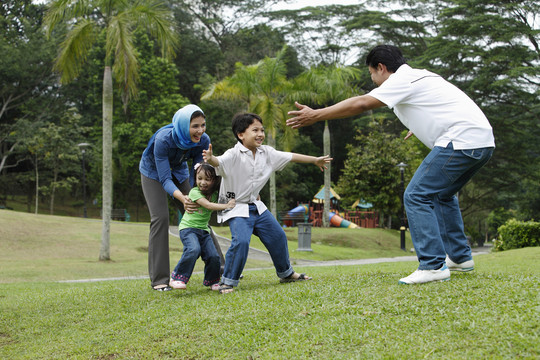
244, 176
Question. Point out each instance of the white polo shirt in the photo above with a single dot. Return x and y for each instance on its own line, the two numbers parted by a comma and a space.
436, 111
244, 176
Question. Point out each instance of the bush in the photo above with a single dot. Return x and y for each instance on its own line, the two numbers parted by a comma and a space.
516, 234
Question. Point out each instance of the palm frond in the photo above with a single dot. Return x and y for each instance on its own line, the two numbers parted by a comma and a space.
60, 10
156, 17
74, 50
120, 45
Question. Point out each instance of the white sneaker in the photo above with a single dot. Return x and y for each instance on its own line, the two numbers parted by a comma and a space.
463, 267
424, 276
177, 284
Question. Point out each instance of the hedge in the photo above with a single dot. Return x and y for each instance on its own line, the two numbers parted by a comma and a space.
516, 234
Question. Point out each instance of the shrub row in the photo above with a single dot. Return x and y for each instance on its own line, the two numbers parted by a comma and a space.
516, 234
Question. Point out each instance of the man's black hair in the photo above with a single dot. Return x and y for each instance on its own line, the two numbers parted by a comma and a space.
388, 55
242, 121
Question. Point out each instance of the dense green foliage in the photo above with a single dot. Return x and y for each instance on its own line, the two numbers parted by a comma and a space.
516, 234
487, 48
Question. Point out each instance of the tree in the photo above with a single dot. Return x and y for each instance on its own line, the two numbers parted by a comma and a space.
323, 86
115, 20
370, 171
27, 82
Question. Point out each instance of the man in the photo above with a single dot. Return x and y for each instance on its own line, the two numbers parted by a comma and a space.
461, 141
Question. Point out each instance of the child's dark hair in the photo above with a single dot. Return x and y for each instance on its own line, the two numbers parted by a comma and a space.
210, 172
241, 122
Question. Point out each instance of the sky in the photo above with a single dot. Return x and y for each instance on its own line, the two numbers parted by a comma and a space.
304, 3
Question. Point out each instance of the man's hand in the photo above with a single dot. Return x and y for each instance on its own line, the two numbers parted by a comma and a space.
304, 116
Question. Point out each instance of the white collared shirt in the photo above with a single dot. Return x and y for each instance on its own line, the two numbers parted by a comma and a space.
244, 176
436, 111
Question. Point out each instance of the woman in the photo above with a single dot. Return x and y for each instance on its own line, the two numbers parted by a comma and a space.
164, 171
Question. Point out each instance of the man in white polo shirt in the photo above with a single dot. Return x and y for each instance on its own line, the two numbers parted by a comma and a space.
447, 121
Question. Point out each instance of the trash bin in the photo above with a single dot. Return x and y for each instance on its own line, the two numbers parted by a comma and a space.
304, 237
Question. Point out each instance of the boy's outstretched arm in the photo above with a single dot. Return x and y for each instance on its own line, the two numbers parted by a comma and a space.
320, 161
209, 157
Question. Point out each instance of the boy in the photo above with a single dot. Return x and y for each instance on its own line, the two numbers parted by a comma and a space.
245, 169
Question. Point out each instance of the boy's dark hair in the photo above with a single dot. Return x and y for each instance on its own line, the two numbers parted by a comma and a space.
210, 172
388, 55
241, 122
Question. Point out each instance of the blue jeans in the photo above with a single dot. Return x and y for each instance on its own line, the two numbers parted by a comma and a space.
432, 206
197, 243
266, 227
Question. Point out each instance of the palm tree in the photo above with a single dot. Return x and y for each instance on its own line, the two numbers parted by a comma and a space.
116, 20
262, 87
319, 87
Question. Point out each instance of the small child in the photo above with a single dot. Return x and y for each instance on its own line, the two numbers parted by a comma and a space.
245, 169
195, 233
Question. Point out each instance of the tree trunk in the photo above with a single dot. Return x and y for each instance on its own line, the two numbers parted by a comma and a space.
104, 251
327, 179
37, 187
273, 206
53, 191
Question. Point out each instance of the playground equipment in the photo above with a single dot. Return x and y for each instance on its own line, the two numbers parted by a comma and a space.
338, 221
296, 215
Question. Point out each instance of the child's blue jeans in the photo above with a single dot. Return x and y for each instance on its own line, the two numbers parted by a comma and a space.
197, 243
266, 227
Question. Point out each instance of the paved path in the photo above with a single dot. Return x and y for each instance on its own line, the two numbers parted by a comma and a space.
264, 256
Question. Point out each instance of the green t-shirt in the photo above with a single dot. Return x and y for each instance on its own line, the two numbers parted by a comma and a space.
200, 218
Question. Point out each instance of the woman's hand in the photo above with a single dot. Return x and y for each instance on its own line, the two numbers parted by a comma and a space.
189, 205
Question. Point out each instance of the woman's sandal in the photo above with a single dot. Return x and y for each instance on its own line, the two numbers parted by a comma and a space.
225, 289
162, 288
290, 278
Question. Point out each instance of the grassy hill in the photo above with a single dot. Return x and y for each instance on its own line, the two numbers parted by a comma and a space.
48, 248
345, 312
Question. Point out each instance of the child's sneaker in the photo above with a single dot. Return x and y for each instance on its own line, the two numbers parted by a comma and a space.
424, 276
177, 284
463, 267
215, 287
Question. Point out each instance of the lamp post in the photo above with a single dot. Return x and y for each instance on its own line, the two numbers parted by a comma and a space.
402, 228
83, 147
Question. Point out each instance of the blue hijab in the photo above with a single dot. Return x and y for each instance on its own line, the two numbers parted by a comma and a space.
181, 122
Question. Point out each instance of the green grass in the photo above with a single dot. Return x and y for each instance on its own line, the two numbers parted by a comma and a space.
43, 247
345, 312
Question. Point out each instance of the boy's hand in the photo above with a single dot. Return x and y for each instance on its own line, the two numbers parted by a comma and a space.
231, 204
321, 161
207, 154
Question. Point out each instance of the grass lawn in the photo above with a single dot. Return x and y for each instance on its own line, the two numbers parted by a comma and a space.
345, 312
